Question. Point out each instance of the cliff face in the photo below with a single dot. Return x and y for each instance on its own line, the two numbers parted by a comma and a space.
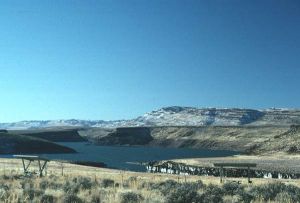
18, 144
127, 136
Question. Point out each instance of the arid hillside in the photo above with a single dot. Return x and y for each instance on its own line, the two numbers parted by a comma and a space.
17, 144
246, 139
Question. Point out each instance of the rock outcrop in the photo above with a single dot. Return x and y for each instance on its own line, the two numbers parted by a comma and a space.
127, 136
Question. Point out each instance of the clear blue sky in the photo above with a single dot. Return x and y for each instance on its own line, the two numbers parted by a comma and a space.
101, 59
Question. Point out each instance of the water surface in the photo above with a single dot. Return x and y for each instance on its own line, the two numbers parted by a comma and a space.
123, 157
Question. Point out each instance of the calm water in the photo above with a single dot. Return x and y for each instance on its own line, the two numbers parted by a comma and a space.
121, 156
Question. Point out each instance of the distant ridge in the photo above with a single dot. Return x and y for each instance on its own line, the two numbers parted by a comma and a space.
179, 116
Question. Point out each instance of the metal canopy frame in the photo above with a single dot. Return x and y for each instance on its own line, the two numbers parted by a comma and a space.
222, 167
42, 162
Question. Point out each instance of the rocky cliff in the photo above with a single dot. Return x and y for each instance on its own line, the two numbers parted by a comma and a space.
127, 136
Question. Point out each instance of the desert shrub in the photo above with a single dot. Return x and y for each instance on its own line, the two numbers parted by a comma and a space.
132, 179
75, 180
31, 193
268, 191
231, 188
27, 184
246, 196
293, 149
145, 184
178, 192
85, 183
71, 187
200, 183
53, 177
47, 198
294, 192
67, 186
4, 191
55, 185
107, 183
165, 187
131, 197
213, 194
273, 192
128, 183
125, 184
283, 197
194, 185
184, 193
72, 198
3, 194
95, 199
44, 184
5, 177
4, 187
16, 176
231, 199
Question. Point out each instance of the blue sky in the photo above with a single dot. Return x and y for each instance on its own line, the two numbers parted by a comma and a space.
119, 59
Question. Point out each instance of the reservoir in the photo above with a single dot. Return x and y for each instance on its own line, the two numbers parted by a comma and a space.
128, 157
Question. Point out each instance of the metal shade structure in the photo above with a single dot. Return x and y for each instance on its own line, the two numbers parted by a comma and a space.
42, 162
224, 165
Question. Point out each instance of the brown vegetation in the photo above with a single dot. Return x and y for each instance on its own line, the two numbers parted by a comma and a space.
88, 184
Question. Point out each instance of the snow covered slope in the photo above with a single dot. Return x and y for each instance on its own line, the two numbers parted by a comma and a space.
179, 116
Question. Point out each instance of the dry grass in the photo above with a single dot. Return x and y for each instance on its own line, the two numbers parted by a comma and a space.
107, 185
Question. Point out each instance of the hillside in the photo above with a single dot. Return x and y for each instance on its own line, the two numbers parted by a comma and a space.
245, 139
53, 135
189, 116
18, 144
245, 130
178, 116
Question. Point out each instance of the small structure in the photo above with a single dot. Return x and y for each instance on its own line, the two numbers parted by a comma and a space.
222, 167
41, 161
